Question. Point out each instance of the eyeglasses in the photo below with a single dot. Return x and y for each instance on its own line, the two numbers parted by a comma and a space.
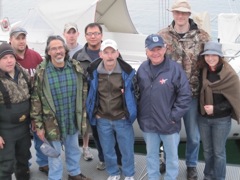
55, 49
93, 33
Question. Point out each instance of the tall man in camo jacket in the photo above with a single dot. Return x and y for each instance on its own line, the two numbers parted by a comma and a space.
185, 41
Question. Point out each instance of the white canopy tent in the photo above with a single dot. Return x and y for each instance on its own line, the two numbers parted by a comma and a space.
49, 17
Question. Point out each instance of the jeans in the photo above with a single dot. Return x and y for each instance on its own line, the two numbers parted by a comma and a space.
214, 134
193, 136
72, 158
125, 138
41, 159
99, 147
97, 143
170, 143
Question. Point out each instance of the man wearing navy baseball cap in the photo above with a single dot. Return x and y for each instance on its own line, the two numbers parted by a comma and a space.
154, 40
154, 43
165, 95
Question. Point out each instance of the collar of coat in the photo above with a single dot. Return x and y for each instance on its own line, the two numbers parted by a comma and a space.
124, 65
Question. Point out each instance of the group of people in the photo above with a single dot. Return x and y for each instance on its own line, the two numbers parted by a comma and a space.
77, 90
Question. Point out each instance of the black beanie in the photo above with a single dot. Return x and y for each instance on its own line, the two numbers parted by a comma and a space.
5, 49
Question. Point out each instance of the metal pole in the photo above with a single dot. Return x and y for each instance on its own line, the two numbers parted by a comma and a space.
1, 9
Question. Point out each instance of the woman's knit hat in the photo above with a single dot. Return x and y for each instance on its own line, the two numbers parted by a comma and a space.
5, 49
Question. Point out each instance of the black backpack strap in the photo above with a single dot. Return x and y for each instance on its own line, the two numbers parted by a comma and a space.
6, 96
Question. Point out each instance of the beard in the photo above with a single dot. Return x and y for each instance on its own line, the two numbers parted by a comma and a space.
59, 60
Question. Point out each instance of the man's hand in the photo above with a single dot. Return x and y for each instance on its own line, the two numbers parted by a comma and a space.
33, 124
1, 142
41, 134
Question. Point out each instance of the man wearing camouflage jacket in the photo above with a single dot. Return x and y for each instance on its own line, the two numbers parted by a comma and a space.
184, 43
57, 107
15, 138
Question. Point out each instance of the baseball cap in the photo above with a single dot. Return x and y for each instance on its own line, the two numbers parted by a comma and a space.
181, 5
212, 48
48, 150
108, 43
153, 41
16, 31
69, 26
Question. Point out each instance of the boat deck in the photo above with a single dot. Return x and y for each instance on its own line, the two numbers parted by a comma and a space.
89, 169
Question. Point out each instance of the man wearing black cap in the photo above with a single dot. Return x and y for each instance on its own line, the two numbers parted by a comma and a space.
164, 98
15, 139
29, 59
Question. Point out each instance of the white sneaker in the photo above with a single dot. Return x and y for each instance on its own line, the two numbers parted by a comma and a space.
117, 177
101, 166
129, 178
87, 155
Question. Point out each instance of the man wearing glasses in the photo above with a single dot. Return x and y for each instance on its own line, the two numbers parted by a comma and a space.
90, 51
57, 107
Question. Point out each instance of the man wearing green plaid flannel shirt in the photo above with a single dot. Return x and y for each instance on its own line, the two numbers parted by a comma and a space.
58, 108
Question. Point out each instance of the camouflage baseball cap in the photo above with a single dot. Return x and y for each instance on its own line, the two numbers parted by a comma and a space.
69, 26
48, 150
181, 5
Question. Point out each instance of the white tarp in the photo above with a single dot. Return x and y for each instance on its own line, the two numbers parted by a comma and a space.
49, 17
203, 21
115, 16
228, 27
229, 35
59, 12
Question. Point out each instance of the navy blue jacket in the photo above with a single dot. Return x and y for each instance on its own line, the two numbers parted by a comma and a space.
128, 74
164, 99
